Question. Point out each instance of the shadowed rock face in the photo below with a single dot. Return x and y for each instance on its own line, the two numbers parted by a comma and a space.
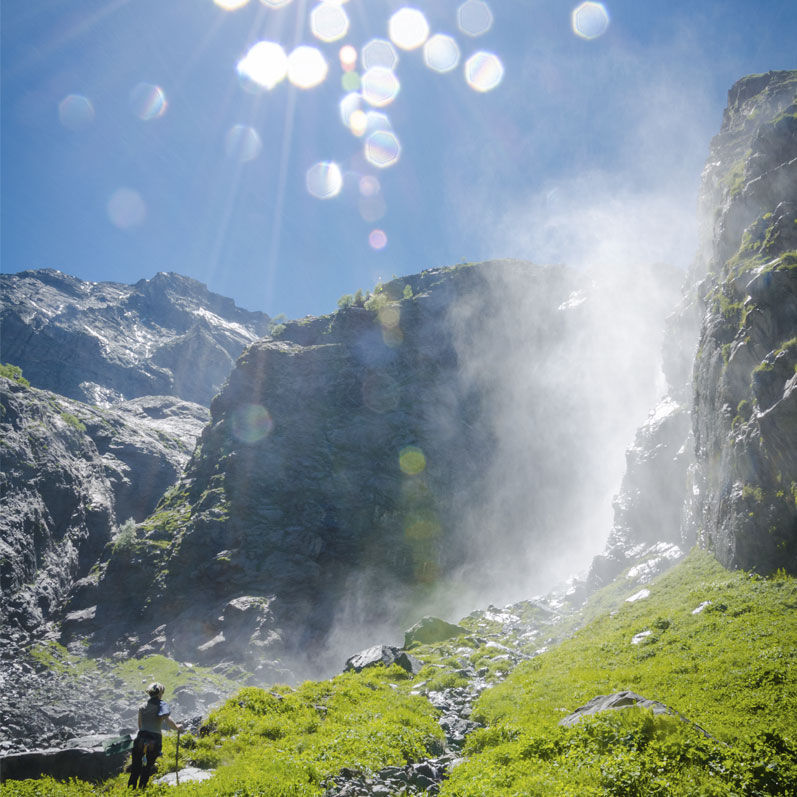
103, 342
329, 477
717, 461
343, 458
745, 373
71, 474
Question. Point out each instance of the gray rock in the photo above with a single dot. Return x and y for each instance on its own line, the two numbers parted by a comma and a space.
617, 700
384, 655
186, 775
76, 762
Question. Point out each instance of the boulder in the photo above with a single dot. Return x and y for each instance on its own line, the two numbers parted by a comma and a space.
429, 630
385, 655
84, 763
617, 700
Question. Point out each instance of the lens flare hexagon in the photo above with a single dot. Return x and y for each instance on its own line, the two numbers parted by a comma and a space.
75, 111
379, 86
372, 208
324, 180
329, 22
148, 101
377, 240
590, 20
474, 17
251, 423
379, 52
348, 57
264, 65
381, 392
350, 103
408, 28
389, 315
412, 460
441, 53
369, 185
377, 121
350, 81
126, 208
382, 149
483, 71
242, 143
307, 67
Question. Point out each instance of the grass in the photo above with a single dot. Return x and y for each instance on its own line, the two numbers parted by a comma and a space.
731, 669
73, 421
286, 741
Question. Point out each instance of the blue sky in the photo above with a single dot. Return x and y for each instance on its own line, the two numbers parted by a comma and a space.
119, 156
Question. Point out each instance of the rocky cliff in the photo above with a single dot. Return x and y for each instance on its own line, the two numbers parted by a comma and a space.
103, 342
745, 375
716, 460
356, 467
72, 473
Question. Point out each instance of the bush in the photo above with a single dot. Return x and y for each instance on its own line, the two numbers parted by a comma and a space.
13, 372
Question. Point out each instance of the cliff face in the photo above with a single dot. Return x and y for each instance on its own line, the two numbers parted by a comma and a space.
745, 374
326, 486
716, 461
71, 474
105, 342
360, 464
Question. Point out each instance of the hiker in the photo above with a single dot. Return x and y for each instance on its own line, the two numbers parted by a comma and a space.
151, 717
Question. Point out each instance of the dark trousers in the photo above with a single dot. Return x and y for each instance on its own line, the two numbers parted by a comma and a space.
147, 745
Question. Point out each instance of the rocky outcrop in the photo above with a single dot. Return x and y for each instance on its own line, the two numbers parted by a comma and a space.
385, 656
745, 382
104, 342
716, 463
621, 700
346, 460
72, 473
84, 759
431, 629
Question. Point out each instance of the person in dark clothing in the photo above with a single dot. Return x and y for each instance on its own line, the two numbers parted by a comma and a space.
147, 746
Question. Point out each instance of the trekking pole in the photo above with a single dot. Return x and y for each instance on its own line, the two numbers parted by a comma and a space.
177, 759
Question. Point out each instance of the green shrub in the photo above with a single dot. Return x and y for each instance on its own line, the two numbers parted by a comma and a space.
13, 372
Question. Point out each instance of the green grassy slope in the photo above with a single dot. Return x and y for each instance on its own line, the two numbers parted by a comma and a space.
731, 668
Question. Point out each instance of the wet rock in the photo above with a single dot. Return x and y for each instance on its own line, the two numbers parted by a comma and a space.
384, 655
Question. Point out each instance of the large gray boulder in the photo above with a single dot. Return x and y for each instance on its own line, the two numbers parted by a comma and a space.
384, 655
612, 702
85, 759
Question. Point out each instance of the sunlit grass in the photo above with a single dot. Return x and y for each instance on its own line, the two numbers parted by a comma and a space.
731, 668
